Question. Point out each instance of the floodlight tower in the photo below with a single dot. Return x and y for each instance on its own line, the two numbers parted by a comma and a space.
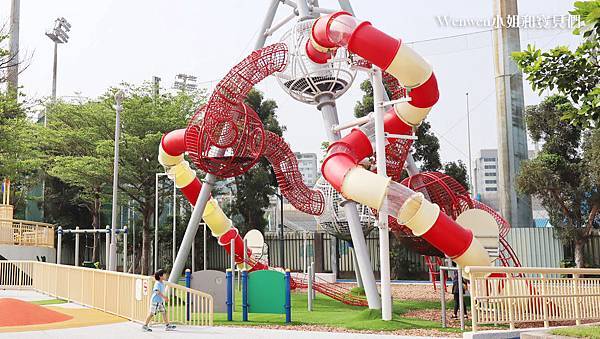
58, 34
185, 82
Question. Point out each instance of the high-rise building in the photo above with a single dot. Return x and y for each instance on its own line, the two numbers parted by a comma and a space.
485, 173
486, 182
307, 164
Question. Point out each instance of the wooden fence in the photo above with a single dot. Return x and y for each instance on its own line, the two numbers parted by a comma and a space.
121, 294
515, 295
26, 233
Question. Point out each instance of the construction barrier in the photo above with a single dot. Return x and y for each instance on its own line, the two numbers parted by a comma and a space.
121, 294
512, 295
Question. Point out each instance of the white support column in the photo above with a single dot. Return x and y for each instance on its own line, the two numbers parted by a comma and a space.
232, 263
59, 245
156, 222
77, 246
174, 220
133, 242
204, 250
266, 24
330, 118
359, 282
107, 246
194, 255
125, 249
384, 235
192, 228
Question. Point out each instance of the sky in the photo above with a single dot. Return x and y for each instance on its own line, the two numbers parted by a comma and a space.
115, 41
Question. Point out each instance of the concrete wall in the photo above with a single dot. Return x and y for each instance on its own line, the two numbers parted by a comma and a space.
12, 252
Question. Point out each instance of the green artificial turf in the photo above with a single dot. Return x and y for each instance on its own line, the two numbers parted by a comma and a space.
329, 312
49, 302
579, 332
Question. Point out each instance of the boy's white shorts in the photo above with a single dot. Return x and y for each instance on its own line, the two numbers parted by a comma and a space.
155, 308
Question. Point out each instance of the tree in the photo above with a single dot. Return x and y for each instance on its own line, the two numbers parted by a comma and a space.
253, 188
458, 171
82, 145
564, 175
574, 74
145, 118
17, 152
71, 144
426, 149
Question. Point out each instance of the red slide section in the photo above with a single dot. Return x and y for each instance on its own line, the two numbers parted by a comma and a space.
172, 145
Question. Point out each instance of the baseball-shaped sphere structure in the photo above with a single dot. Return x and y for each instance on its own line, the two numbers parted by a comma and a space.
229, 146
305, 80
333, 219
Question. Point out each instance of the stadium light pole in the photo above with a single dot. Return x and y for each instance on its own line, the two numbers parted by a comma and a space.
185, 82
58, 34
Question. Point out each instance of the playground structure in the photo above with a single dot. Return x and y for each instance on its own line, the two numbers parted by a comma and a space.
315, 63
77, 232
264, 291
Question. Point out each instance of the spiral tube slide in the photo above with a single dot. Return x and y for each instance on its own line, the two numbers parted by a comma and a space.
341, 168
171, 150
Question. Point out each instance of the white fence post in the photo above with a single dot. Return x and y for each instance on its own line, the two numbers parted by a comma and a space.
59, 246
77, 246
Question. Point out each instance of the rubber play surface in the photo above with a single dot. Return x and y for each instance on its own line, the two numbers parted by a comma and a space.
15, 312
18, 316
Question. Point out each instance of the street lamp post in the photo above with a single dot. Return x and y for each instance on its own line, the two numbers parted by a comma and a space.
156, 219
281, 240
58, 34
115, 194
471, 178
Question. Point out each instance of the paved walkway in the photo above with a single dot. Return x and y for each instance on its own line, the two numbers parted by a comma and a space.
131, 330
25, 295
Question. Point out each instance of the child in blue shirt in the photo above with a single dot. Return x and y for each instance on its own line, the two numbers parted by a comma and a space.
157, 301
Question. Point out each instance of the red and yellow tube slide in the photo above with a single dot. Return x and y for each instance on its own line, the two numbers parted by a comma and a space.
170, 155
341, 168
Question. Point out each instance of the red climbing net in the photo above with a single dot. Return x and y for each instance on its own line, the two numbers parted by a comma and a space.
285, 166
226, 137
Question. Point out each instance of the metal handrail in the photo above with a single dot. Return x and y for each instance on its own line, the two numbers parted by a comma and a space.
538, 270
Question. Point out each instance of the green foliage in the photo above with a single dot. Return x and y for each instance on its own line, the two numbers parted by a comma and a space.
563, 175
253, 188
458, 171
18, 156
427, 148
365, 105
79, 146
574, 74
